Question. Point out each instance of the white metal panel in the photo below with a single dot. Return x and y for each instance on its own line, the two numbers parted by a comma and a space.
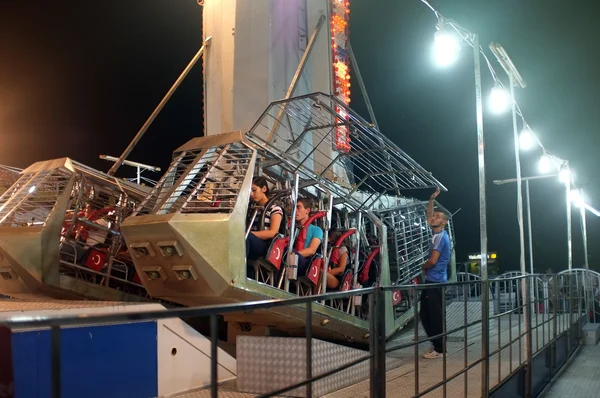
184, 359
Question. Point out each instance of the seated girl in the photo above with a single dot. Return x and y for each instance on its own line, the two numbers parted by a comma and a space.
337, 265
258, 241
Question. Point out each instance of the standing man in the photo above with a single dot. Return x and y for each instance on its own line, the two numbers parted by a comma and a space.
435, 270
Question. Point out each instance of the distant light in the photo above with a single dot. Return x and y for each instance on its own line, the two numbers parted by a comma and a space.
565, 175
499, 100
545, 164
446, 46
32, 189
526, 141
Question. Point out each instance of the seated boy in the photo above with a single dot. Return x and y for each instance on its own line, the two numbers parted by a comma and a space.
314, 235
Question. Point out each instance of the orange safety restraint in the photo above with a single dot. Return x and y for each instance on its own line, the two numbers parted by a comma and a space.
335, 253
364, 273
83, 230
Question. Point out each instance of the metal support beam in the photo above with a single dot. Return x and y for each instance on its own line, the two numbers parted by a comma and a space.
159, 108
485, 366
363, 89
518, 170
584, 235
529, 227
296, 78
569, 233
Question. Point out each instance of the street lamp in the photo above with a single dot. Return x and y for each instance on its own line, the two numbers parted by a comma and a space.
526, 140
565, 175
446, 47
473, 40
575, 198
545, 164
499, 100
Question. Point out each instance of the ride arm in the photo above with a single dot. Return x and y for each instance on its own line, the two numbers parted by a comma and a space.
311, 249
341, 266
270, 233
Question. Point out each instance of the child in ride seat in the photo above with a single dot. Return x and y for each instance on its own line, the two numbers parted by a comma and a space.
337, 265
257, 242
314, 235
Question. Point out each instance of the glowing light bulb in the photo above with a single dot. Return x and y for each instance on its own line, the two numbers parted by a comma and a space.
545, 164
565, 176
577, 198
499, 100
446, 47
526, 140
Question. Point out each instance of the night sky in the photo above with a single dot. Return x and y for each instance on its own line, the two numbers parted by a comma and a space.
79, 78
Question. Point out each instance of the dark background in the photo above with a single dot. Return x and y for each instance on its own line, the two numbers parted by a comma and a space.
79, 78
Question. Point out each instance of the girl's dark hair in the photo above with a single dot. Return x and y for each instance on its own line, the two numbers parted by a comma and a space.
261, 182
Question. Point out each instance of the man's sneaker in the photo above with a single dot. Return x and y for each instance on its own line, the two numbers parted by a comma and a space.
433, 355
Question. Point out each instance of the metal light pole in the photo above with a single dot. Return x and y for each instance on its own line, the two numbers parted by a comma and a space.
584, 233
529, 233
518, 169
515, 79
485, 368
569, 232
583, 207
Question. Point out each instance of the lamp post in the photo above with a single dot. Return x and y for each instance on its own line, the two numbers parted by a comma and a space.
578, 199
584, 233
447, 46
575, 197
528, 204
515, 79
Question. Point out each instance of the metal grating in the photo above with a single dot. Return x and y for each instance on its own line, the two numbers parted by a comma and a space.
29, 202
301, 134
409, 237
92, 247
8, 176
176, 169
201, 181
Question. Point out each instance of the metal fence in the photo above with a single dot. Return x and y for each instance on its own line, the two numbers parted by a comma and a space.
513, 345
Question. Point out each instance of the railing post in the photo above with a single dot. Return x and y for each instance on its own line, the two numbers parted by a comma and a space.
417, 321
485, 339
378, 343
554, 321
570, 316
309, 348
214, 367
528, 336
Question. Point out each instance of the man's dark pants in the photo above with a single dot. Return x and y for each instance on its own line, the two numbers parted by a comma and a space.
432, 313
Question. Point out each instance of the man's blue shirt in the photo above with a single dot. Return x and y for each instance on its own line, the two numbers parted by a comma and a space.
440, 243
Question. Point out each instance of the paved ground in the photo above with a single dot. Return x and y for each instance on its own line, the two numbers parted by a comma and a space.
403, 381
581, 378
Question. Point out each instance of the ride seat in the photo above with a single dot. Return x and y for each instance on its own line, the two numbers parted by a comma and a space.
95, 259
309, 283
345, 281
265, 268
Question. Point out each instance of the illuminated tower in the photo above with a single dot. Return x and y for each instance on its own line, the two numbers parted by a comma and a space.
254, 54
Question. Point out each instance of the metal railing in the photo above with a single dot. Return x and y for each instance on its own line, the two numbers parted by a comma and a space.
481, 351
